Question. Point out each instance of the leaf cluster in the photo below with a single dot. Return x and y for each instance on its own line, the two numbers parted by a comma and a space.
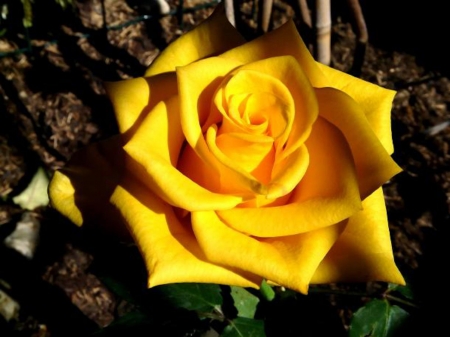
206, 310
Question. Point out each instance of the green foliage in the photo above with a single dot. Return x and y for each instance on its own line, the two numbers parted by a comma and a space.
197, 309
192, 296
244, 301
244, 327
378, 318
405, 291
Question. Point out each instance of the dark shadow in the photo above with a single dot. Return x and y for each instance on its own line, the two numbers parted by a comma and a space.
299, 315
422, 193
10, 127
151, 10
47, 303
413, 26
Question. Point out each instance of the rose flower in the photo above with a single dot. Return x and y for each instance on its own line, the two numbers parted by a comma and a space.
239, 162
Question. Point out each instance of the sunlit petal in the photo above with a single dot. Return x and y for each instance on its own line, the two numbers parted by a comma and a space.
374, 166
153, 154
375, 102
169, 248
289, 261
327, 194
300, 96
197, 84
280, 42
133, 99
363, 251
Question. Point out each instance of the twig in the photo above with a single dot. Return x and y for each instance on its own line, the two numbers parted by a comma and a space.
305, 15
362, 36
402, 301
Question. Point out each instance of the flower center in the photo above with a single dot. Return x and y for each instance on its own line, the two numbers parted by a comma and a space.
257, 114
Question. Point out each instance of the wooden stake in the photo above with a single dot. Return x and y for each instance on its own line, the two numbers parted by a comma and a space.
323, 31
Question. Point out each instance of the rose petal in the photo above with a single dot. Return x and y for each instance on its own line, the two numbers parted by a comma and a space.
289, 261
211, 37
287, 71
255, 156
247, 95
287, 174
195, 106
287, 42
327, 194
281, 182
168, 247
374, 166
235, 171
375, 102
133, 99
62, 197
213, 179
156, 146
197, 85
363, 252
82, 189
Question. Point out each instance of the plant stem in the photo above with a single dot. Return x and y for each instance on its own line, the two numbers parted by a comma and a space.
402, 301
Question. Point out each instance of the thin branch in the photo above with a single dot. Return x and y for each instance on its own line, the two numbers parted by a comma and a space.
362, 36
305, 15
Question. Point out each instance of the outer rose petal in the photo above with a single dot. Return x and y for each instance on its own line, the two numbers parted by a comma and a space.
374, 166
375, 102
211, 37
81, 191
327, 194
169, 248
155, 146
363, 251
288, 261
133, 99
282, 41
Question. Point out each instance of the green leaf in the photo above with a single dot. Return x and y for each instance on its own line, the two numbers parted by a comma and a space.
35, 194
378, 319
405, 291
244, 301
192, 296
244, 327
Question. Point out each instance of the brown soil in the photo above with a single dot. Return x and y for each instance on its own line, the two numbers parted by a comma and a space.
53, 103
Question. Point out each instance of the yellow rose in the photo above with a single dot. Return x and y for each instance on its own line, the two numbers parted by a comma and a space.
238, 162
